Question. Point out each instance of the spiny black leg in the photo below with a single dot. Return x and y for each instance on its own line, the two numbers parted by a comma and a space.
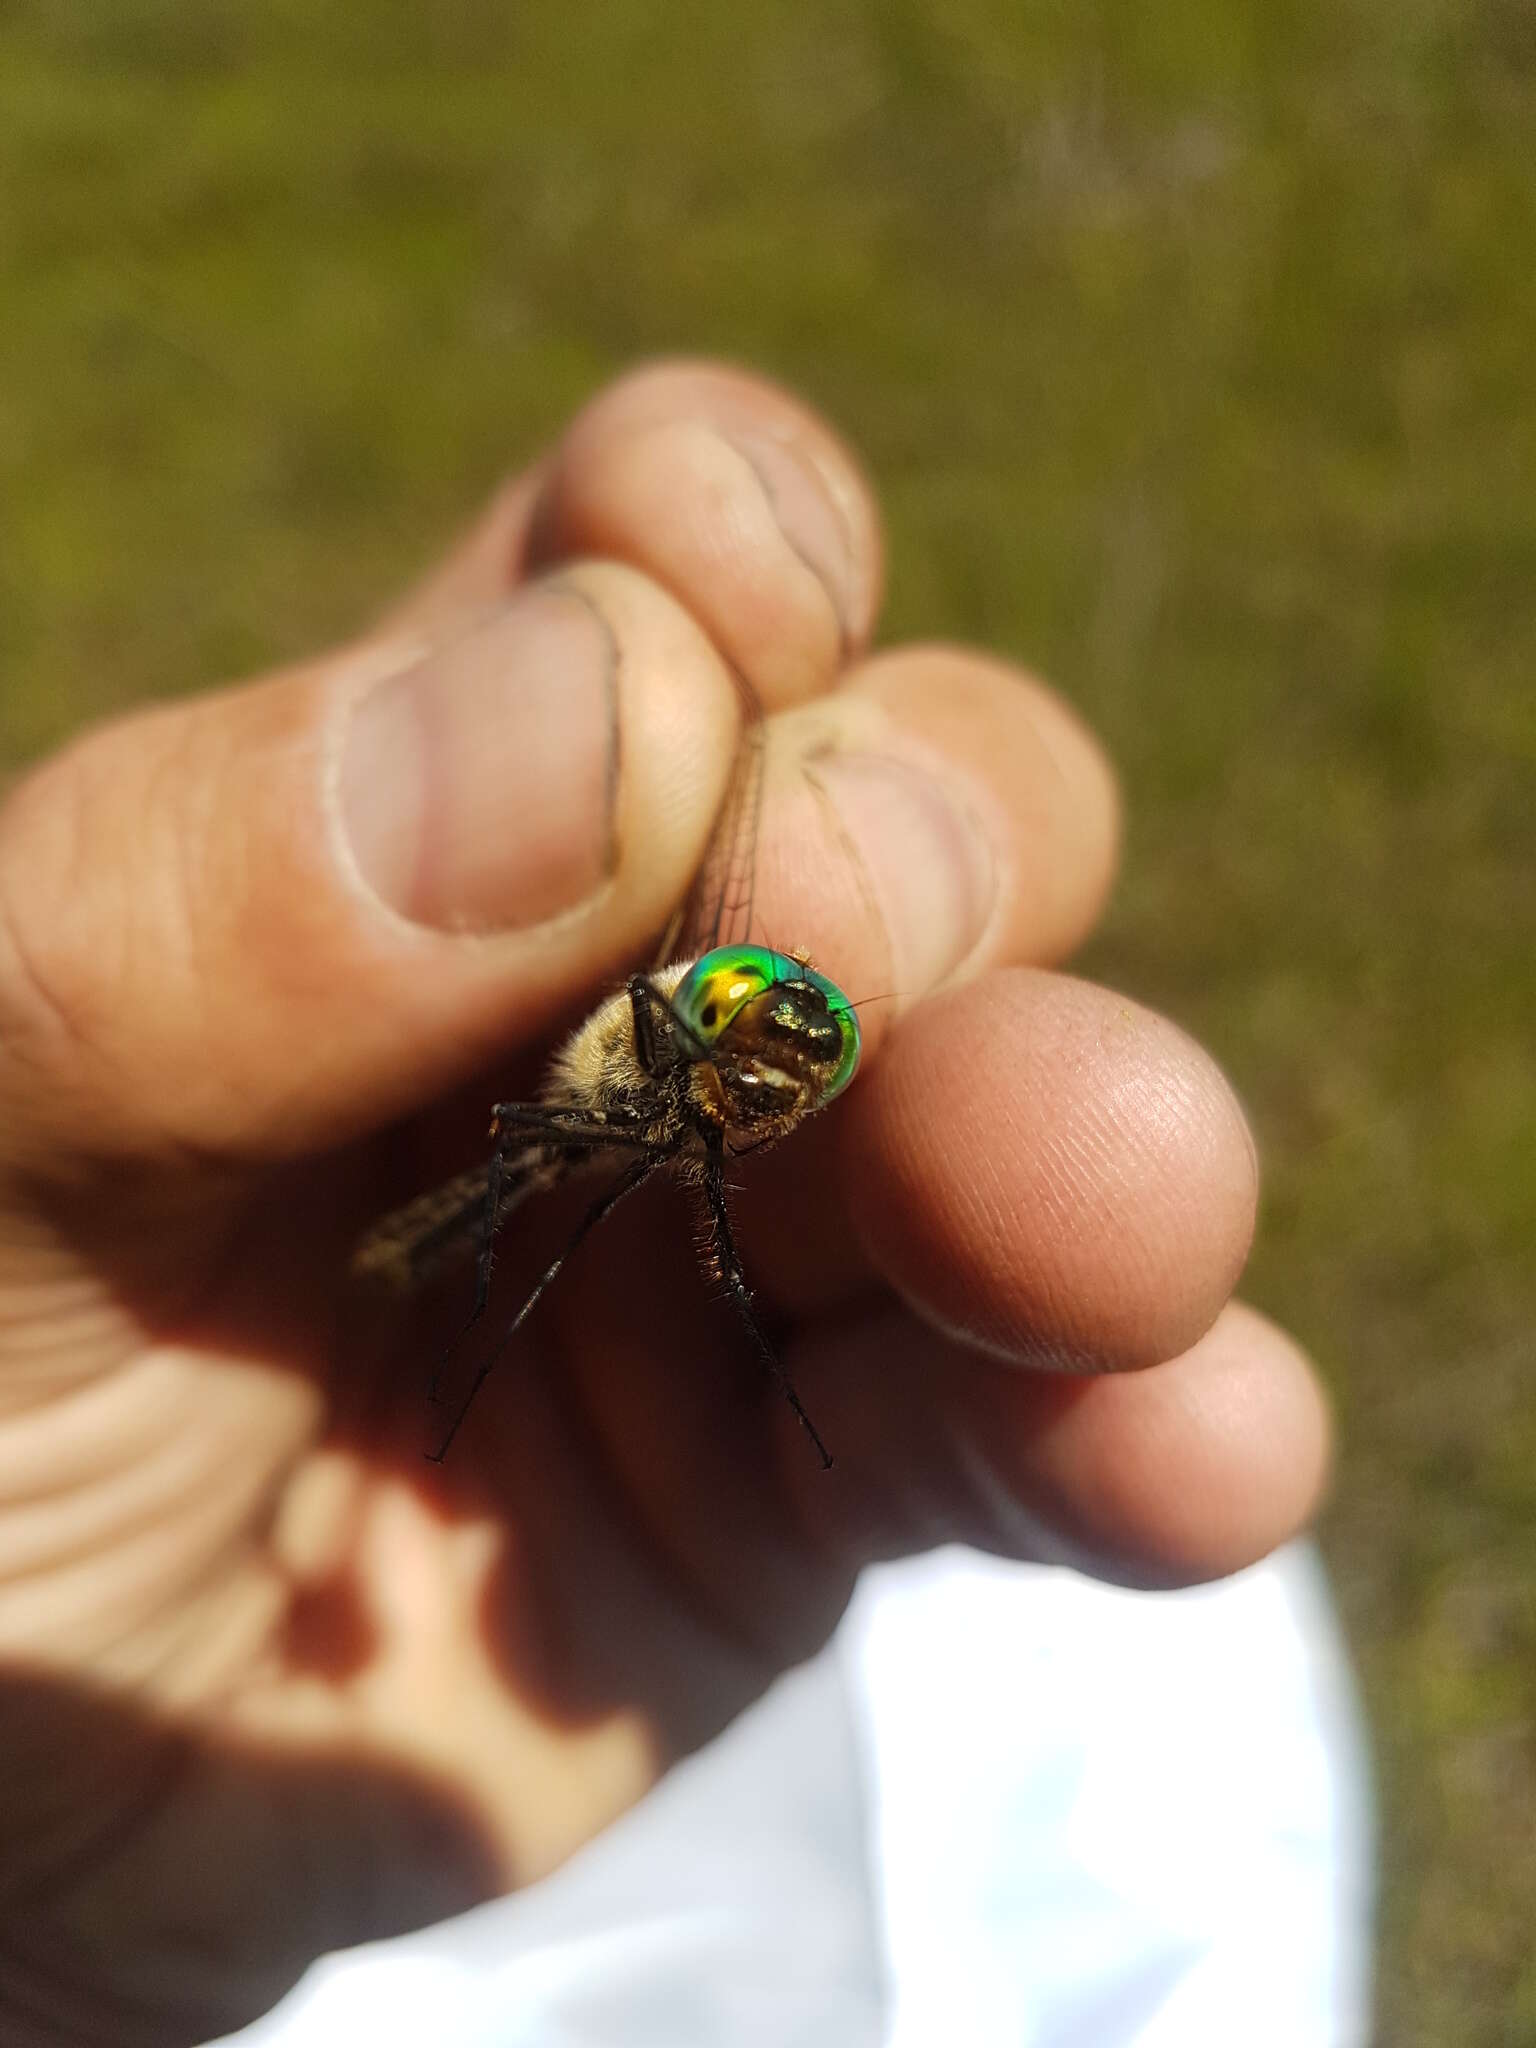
484, 1259
661, 1036
575, 1137
642, 1004
631, 1178
736, 1282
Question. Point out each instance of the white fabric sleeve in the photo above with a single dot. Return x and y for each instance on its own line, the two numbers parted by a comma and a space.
1106, 1819
1007, 1805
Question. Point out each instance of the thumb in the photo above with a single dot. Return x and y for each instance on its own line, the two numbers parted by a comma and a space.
268, 919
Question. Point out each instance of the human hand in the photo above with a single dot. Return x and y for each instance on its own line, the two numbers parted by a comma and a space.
271, 1682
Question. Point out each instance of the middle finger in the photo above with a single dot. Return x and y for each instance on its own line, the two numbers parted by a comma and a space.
938, 814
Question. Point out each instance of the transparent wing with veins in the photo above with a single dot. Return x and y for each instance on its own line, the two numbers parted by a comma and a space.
440, 1227
718, 909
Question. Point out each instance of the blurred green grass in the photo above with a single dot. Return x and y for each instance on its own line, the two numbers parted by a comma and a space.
1192, 349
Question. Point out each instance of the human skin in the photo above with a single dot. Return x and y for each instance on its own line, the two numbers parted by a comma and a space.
272, 1683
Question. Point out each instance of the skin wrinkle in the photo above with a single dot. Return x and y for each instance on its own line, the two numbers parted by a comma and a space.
60, 1623
1056, 1303
216, 857
729, 525
849, 849
268, 1473
859, 725
839, 625
684, 391
55, 1011
40, 1331
193, 801
995, 1207
116, 1415
106, 1508
200, 1657
48, 1391
1092, 1169
117, 972
614, 461
856, 560
1047, 897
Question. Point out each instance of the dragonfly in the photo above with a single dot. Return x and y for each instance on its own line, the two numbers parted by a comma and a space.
725, 1046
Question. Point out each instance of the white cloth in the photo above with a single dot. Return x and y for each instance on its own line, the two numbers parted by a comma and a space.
1006, 1805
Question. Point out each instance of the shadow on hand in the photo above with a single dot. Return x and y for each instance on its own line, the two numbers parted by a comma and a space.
163, 1888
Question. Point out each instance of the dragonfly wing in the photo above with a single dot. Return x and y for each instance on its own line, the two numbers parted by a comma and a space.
718, 909
443, 1226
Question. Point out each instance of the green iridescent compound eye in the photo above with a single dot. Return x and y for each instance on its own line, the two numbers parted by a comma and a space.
718, 987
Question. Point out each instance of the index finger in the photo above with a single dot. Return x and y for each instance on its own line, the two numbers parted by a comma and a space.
721, 487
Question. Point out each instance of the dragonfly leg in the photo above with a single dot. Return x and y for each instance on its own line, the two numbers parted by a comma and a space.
736, 1283
485, 1255
661, 1036
514, 1123
631, 1178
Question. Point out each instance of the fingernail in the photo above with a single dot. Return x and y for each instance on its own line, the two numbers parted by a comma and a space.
477, 787
927, 859
810, 518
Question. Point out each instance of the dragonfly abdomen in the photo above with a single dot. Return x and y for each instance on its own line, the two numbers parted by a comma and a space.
442, 1227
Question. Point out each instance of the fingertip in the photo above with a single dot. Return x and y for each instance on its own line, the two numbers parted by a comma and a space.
1189, 1471
736, 498
1053, 1173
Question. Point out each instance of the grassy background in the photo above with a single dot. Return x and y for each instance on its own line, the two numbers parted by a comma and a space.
1192, 345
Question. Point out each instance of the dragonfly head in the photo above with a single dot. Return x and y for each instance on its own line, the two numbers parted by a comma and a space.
783, 1038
